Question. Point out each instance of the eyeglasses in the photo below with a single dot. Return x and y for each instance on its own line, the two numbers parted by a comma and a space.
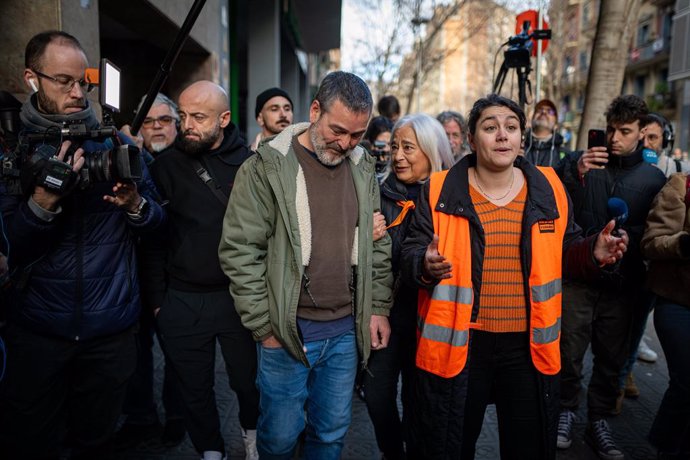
165, 120
547, 110
66, 82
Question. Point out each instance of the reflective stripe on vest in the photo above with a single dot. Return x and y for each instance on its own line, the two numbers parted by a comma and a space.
444, 314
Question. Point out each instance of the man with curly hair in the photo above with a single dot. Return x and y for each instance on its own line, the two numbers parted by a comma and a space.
602, 312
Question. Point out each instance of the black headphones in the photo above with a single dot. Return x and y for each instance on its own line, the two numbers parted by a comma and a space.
667, 137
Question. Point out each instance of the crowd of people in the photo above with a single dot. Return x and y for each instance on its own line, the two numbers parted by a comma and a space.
473, 261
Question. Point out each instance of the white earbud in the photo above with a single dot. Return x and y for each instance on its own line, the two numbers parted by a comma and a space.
32, 83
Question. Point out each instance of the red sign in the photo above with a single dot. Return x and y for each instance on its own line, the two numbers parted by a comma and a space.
533, 17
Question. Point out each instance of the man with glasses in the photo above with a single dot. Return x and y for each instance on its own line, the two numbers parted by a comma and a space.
543, 144
159, 129
75, 299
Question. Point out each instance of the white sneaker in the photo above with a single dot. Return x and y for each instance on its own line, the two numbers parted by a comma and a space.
212, 455
249, 439
646, 354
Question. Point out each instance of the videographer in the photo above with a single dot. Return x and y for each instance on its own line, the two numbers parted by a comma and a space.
377, 141
75, 301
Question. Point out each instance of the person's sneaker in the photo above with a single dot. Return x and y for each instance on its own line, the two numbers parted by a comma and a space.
212, 455
565, 429
599, 434
173, 433
646, 354
249, 439
131, 434
630, 389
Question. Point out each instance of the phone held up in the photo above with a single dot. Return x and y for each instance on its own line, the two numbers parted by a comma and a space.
596, 138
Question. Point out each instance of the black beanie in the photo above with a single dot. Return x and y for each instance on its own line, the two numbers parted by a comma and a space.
264, 97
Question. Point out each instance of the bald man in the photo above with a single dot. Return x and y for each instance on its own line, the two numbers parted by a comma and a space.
189, 291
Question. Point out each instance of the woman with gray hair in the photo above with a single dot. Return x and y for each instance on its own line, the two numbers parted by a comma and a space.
419, 147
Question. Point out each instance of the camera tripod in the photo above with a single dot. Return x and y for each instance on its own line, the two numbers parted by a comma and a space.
523, 81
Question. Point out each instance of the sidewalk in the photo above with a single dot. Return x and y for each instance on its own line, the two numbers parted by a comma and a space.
630, 428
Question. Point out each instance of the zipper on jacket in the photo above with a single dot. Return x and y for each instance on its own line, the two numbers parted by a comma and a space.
79, 268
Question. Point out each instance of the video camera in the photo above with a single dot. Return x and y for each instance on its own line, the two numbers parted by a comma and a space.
520, 46
34, 160
377, 150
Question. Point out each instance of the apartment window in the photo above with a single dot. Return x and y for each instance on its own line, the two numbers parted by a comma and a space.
642, 34
584, 61
640, 83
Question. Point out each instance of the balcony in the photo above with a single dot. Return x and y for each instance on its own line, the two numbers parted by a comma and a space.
649, 54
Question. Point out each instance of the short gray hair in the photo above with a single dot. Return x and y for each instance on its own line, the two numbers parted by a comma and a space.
431, 138
346, 87
162, 99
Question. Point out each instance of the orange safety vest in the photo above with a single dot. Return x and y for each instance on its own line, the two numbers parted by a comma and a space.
444, 314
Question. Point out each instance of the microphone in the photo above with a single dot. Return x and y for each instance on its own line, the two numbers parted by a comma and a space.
650, 156
618, 211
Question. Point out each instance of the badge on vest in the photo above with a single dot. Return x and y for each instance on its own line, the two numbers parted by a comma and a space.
547, 226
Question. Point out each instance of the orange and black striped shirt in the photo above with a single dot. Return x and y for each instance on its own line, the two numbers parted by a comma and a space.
502, 296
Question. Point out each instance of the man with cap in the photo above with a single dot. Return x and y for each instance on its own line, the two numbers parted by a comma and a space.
543, 145
273, 113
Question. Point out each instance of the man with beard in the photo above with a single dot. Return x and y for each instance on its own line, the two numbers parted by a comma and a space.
159, 129
273, 113
308, 280
543, 145
75, 298
189, 290
455, 127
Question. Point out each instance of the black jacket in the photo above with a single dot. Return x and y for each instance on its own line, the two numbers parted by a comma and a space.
541, 205
629, 178
404, 312
185, 257
550, 152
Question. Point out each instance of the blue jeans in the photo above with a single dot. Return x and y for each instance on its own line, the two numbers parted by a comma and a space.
670, 431
288, 389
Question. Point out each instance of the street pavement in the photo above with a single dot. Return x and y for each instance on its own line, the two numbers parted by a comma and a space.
630, 428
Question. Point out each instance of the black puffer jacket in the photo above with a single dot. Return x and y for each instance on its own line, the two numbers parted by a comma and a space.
629, 178
404, 312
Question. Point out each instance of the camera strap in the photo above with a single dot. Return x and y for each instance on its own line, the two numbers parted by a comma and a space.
206, 178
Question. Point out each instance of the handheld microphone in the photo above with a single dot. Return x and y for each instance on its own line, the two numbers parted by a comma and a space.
650, 156
618, 211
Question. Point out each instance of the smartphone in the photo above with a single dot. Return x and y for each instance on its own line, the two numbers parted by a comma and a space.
596, 138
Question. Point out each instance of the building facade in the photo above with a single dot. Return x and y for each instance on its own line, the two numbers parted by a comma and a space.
244, 46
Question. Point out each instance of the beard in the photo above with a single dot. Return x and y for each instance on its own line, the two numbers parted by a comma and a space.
324, 151
202, 145
159, 146
49, 106
543, 124
278, 126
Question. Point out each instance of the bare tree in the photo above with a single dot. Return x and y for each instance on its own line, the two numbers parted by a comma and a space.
615, 25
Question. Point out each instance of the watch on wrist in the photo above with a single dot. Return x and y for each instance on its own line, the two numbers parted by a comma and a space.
141, 209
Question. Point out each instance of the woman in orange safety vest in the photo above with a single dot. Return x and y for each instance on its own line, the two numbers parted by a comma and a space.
486, 246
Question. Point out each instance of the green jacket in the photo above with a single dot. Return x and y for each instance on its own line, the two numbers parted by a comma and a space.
267, 237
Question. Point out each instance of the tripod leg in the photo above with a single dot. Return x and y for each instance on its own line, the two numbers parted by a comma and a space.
498, 84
